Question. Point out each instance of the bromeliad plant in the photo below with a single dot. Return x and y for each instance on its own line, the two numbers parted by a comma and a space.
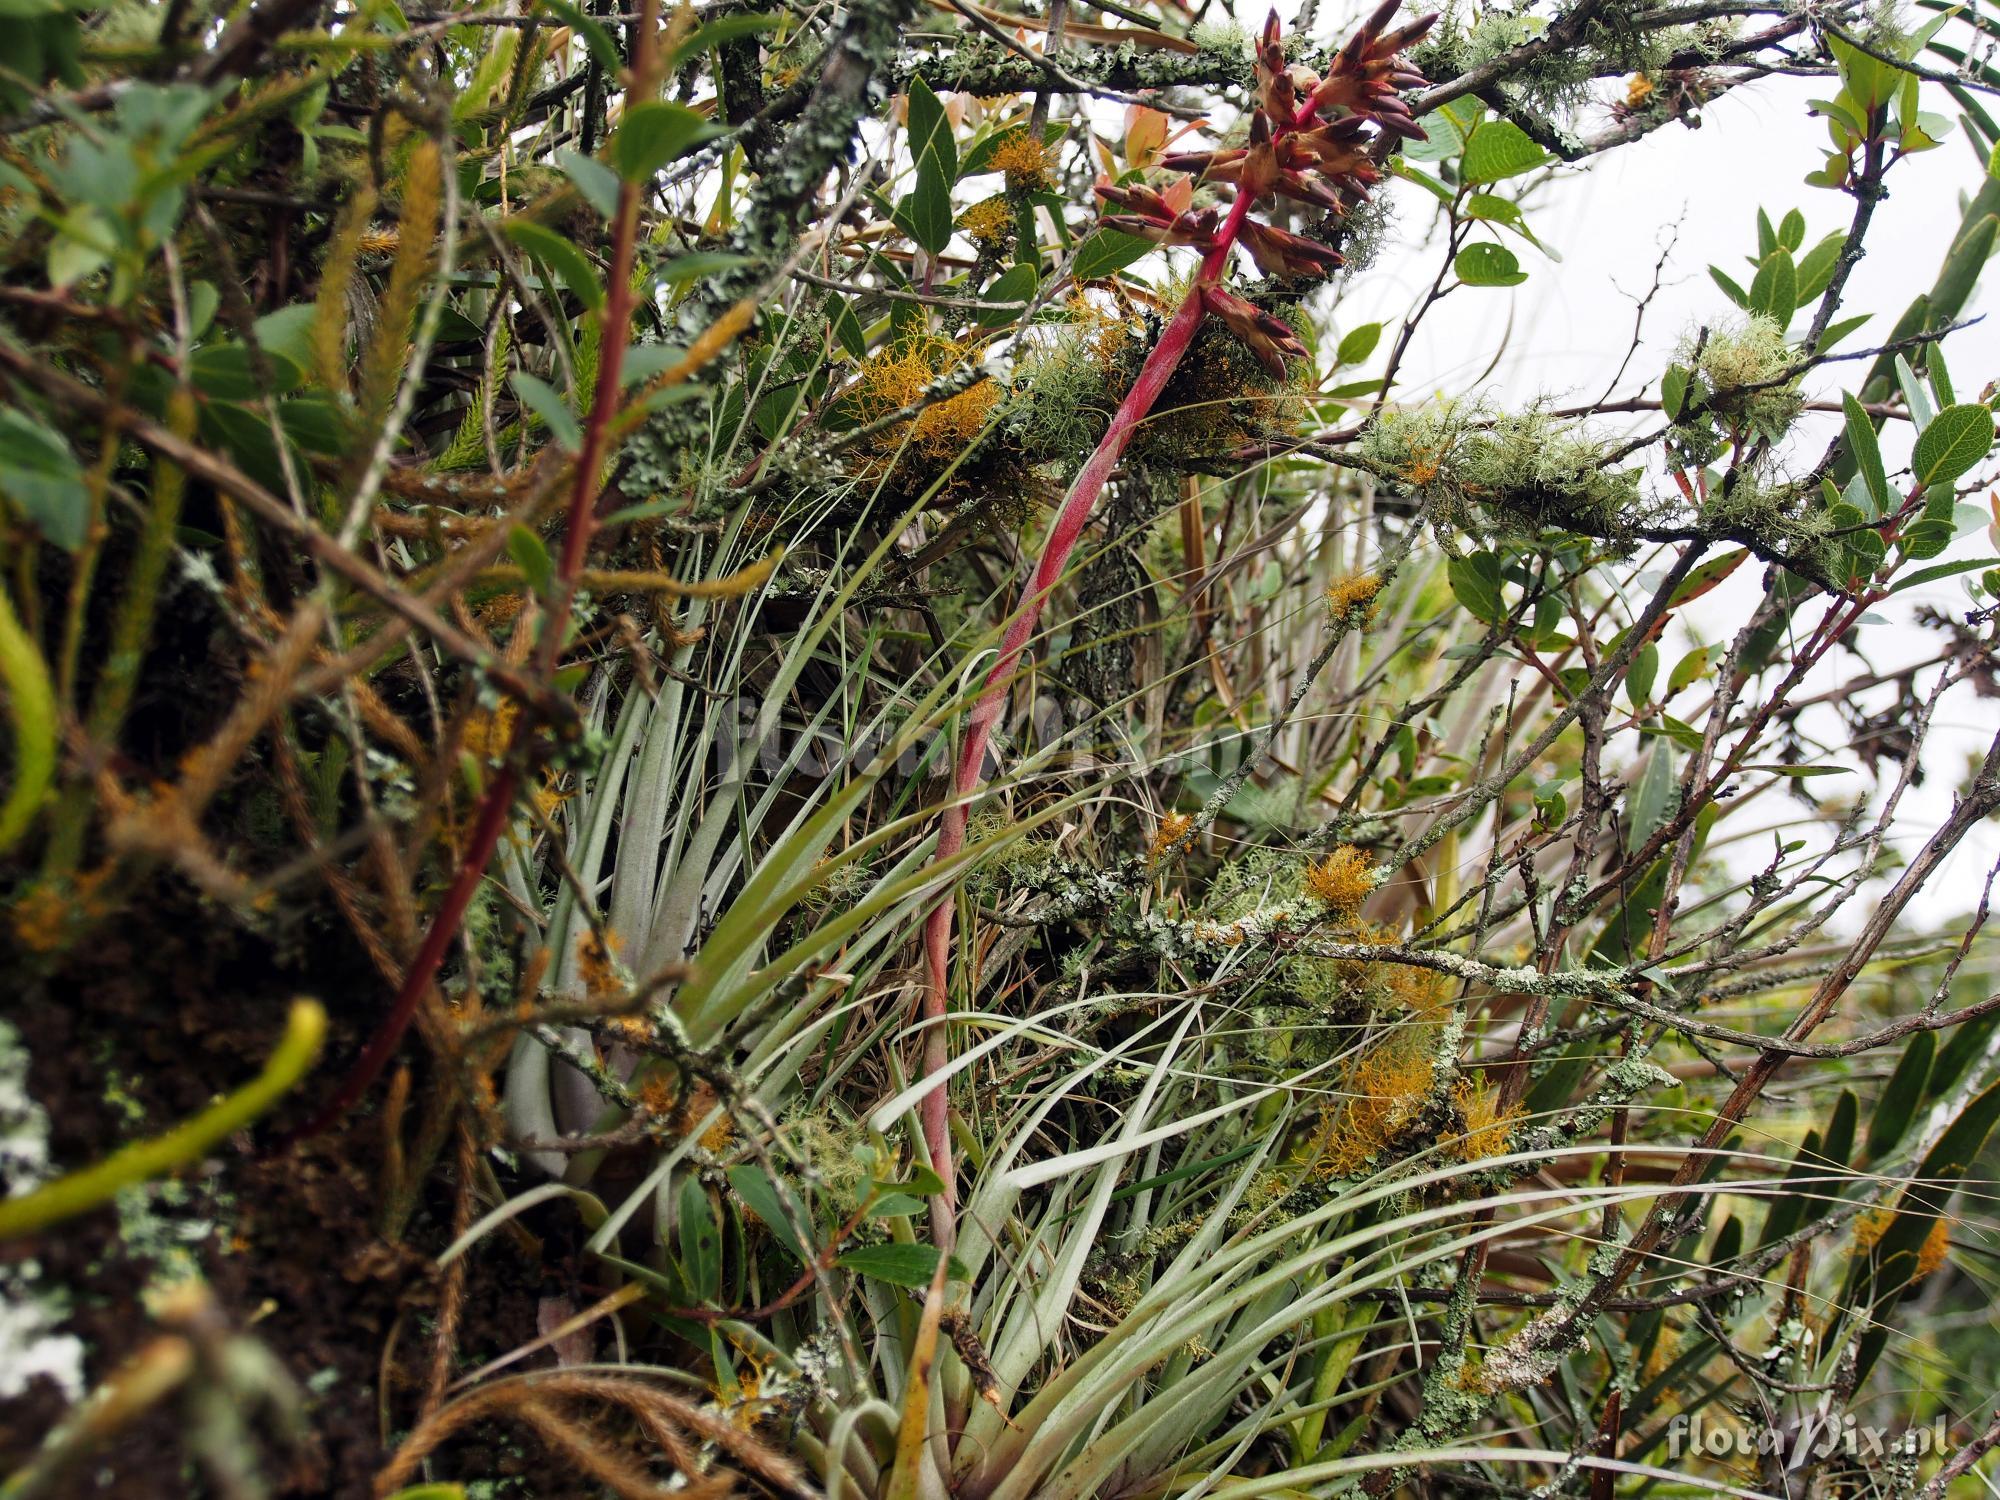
1457, 967
1310, 141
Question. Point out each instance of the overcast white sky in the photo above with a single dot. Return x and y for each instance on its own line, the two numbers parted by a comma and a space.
1565, 331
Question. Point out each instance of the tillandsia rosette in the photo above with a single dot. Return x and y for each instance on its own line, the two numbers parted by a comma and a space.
1313, 139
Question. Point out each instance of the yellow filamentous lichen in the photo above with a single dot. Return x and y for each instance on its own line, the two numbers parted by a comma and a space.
597, 965
1871, 1226
488, 733
988, 223
1936, 1246
1025, 160
1353, 591
1173, 827
1487, 1125
1343, 880
899, 376
1385, 1089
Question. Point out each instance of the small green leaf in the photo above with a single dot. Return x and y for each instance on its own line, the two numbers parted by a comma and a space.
654, 133
698, 265
932, 145
1640, 674
1358, 344
1015, 284
1816, 267
1107, 252
42, 477
1956, 439
1915, 397
1401, 168
900, 1265
1487, 264
560, 256
1651, 800
1792, 230
541, 399
701, 1241
1687, 670
764, 1199
1475, 583
847, 327
1673, 390
1774, 290
1867, 453
1488, 208
1499, 149
532, 556
1943, 570
596, 182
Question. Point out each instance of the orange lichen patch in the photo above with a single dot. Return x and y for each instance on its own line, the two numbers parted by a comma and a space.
989, 222
1487, 1125
1424, 466
501, 608
720, 1136
1025, 160
1173, 827
664, 1100
897, 377
1385, 1088
1638, 89
597, 964
1871, 1226
1936, 1246
1354, 591
1422, 992
1343, 880
42, 917
488, 732
548, 797
660, 1097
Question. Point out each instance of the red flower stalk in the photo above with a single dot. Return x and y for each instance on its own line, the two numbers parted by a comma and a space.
1300, 149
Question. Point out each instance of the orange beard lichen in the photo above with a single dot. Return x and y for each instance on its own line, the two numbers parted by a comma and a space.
1025, 160
1385, 1088
1343, 880
1871, 1226
988, 223
898, 376
1172, 826
1486, 1124
1354, 591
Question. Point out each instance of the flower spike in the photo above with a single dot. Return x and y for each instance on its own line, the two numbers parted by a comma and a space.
1269, 337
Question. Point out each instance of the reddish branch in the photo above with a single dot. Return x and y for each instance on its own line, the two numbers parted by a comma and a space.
496, 803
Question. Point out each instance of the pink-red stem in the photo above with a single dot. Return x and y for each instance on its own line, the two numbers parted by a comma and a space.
933, 1111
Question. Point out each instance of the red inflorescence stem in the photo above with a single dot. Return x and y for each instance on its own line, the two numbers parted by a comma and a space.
1074, 514
1363, 81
